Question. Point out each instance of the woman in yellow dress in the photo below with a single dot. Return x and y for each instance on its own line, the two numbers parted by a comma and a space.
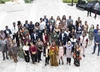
53, 52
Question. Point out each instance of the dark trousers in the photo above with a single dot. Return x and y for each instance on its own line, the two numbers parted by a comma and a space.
95, 14
89, 11
47, 60
95, 48
5, 50
27, 58
69, 60
39, 55
34, 58
14, 37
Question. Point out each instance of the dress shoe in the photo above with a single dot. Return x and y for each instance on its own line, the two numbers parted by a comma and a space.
93, 53
7, 57
3, 58
83, 55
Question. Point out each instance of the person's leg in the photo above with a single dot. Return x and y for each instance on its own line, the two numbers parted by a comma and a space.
6, 51
98, 49
28, 57
83, 51
94, 48
46, 60
62, 60
69, 61
25, 56
90, 11
87, 12
3, 55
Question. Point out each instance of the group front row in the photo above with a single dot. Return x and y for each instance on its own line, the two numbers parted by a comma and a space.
53, 53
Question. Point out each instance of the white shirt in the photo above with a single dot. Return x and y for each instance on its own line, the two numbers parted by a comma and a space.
42, 25
62, 35
26, 48
96, 6
14, 30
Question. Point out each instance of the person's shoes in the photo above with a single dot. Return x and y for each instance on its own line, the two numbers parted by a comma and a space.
45, 64
93, 53
7, 57
69, 64
97, 54
38, 61
3, 58
62, 63
83, 55
59, 62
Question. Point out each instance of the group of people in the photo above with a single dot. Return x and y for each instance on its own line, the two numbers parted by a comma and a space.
90, 7
54, 39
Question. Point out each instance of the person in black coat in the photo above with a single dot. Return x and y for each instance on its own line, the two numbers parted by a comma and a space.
7, 31
34, 36
71, 26
63, 37
31, 27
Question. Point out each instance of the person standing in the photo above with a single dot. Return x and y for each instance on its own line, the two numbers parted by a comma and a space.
91, 34
14, 51
53, 52
76, 55
26, 52
46, 54
96, 7
61, 53
33, 52
14, 31
69, 21
39, 45
89, 8
69, 52
3, 45
83, 41
97, 42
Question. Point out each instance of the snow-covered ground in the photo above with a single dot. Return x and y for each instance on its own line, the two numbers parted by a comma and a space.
13, 12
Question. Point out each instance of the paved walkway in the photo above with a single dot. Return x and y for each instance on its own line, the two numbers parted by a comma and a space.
33, 12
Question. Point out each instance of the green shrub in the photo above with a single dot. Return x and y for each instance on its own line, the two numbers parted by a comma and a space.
69, 1
2, 1
28, 1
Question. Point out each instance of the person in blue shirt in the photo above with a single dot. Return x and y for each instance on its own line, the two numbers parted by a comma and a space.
97, 42
96, 30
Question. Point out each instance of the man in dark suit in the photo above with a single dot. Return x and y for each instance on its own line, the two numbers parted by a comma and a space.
34, 36
40, 32
50, 27
31, 27
7, 31
45, 19
97, 42
63, 37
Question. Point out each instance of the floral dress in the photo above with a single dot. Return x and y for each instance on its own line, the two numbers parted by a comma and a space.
20, 51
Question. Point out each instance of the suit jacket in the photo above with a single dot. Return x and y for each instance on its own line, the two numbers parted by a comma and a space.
33, 37
64, 37
48, 27
5, 31
40, 34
